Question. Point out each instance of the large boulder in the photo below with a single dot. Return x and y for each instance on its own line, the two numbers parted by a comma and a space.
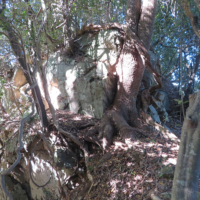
19, 183
86, 82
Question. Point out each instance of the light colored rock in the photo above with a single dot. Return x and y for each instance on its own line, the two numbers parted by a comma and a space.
19, 78
159, 101
154, 114
87, 85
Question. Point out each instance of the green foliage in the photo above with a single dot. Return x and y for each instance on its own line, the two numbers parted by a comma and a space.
180, 101
170, 23
91, 168
133, 173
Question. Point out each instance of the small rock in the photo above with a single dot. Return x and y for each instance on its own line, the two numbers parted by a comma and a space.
166, 195
106, 157
167, 171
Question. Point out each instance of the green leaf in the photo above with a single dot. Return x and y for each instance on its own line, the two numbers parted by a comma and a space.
178, 101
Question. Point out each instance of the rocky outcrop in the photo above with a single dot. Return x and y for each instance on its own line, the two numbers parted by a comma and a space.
87, 81
44, 171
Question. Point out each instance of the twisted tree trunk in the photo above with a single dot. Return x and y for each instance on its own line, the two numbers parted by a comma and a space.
123, 116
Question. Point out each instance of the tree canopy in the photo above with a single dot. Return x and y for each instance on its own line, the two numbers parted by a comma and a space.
174, 30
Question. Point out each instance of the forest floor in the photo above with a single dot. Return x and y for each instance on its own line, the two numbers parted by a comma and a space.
136, 170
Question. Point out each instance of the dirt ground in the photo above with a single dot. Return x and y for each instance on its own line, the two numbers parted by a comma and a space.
127, 169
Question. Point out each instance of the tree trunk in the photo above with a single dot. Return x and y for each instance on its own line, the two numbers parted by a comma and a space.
191, 75
186, 177
123, 115
147, 18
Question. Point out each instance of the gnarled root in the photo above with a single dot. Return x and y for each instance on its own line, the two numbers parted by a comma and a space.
113, 122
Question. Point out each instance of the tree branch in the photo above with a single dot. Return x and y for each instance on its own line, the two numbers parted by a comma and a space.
157, 42
169, 74
189, 14
133, 14
146, 23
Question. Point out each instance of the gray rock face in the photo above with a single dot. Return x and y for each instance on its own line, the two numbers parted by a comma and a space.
160, 107
15, 189
20, 184
65, 159
85, 84
154, 114
159, 102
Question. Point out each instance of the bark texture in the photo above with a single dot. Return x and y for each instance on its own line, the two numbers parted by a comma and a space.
123, 116
146, 23
186, 177
133, 14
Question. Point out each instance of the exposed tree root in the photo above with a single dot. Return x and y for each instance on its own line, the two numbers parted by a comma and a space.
113, 121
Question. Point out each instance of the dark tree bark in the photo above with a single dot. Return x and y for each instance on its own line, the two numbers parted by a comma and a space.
123, 115
133, 14
186, 177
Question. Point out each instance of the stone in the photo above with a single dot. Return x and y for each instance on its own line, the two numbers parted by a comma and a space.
19, 78
88, 83
166, 195
198, 195
167, 171
15, 189
65, 158
159, 99
154, 114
